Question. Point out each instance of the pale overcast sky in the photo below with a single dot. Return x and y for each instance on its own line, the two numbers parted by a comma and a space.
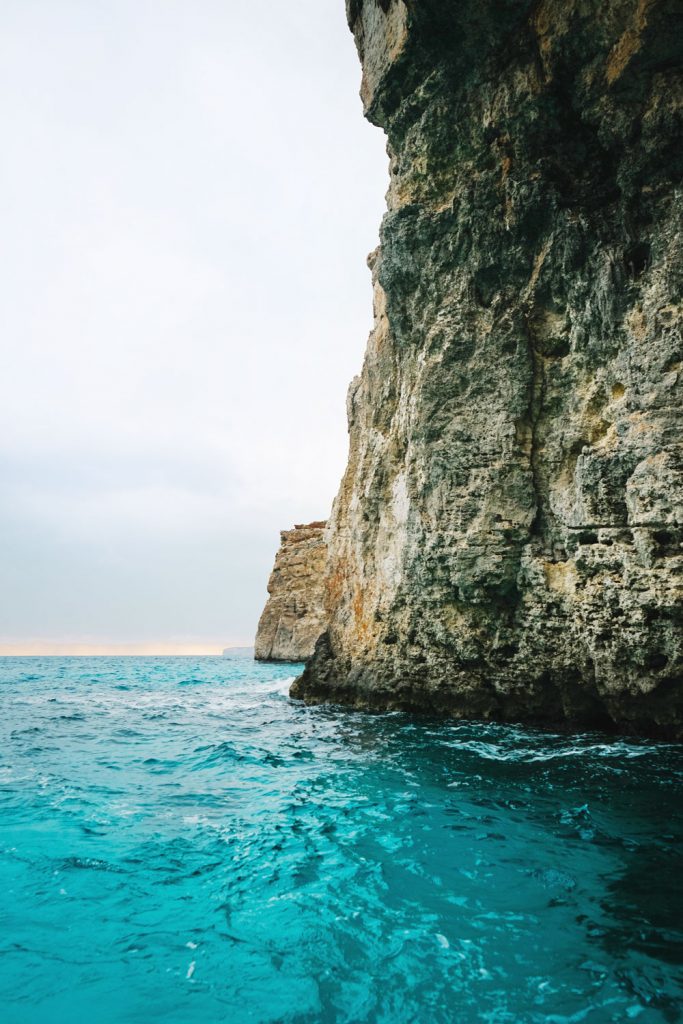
188, 193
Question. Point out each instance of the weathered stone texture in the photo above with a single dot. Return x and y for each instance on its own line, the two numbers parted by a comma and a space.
506, 541
293, 619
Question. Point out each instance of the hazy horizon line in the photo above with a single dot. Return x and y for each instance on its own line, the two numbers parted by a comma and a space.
104, 650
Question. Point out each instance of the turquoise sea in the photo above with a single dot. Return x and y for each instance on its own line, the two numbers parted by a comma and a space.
181, 843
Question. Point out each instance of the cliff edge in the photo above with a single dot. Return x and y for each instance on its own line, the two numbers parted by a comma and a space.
293, 617
506, 541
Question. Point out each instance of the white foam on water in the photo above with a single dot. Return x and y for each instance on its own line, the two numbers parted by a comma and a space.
284, 685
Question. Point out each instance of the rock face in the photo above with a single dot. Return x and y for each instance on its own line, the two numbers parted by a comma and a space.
293, 618
506, 541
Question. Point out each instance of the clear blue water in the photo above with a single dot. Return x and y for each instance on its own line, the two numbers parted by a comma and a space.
179, 842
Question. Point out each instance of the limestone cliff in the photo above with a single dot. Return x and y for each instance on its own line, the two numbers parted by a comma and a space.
293, 619
506, 541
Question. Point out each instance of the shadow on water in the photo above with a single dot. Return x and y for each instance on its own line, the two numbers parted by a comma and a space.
643, 908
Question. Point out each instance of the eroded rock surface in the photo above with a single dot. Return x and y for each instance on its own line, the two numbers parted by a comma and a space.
506, 541
293, 618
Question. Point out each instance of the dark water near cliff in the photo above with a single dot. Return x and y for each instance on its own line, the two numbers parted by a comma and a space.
181, 843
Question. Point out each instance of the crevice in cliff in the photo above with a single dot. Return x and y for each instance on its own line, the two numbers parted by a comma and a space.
537, 387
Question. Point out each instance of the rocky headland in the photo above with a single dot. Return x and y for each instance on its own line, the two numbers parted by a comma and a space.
294, 616
506, 541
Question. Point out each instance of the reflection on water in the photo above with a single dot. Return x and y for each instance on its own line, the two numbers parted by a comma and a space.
179, 842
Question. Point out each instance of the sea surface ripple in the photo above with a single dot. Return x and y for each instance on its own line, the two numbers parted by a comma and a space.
181, 843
